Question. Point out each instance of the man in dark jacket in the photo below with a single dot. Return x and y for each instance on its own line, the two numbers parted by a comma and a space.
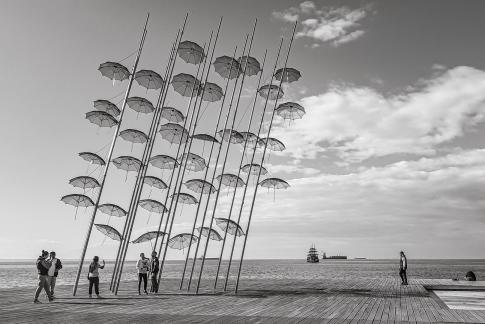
154, 268
403, 266
43, 266
56, 265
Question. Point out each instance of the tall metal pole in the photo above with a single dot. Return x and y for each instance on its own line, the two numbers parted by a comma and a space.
262, 159
207, 171
108, 159
240, 165
225, 158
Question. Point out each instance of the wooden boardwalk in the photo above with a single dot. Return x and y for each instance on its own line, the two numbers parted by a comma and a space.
259, 301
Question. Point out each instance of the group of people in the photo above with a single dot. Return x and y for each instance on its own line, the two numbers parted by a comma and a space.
48, 267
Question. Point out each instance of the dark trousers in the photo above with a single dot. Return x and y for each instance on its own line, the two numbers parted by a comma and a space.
402, 274
154, 287
94, 281
145, 278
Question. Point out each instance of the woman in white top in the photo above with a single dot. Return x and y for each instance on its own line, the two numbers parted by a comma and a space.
143, 266
93, 276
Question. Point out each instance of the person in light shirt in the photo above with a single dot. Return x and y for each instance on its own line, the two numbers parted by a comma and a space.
93, 276
53, 271
403, 266
143, 266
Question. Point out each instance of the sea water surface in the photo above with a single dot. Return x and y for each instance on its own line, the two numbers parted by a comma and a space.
24, 273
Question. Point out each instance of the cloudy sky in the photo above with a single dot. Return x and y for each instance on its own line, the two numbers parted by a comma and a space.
389, 155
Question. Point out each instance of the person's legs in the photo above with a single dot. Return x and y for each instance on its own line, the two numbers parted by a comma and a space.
401, 271
145, 281
40, 286
52, 285
91, 283
405, 277
96, 285
139, 282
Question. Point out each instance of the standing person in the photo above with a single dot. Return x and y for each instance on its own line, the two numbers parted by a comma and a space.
93, 276
53, 271
143, 266
403, 266
154, 268
43, 266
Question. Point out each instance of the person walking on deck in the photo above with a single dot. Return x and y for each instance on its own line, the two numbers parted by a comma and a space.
143, 266
53, 271
43, 265
403, 266
154, 268
93, 276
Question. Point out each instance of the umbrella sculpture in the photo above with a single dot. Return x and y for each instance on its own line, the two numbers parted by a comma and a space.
174, 133
112, 210
152, 206
200, 186
250, 139
253, 65
185, 198
163, 161
181, 241
273, 143
290, 111
205, 137
172, 115
77, 201
236, 137
212, 92
254, 169
154, 182
149, 79
107, 106
271, 92
185, 84
84, 182
195, 162
274, 183
230, 226
148, 237
114, 71
290, 75
92, 158
213, 233
133, 136
101, 118
109, 231
127, 163
230, 180
190, 52
227, 67
140, 105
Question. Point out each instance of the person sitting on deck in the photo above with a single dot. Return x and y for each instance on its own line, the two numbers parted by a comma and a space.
470, 276
403, 266
143, 266
154, 268
43, 266
56, 265
93, 276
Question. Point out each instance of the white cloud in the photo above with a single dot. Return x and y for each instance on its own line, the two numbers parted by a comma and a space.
359, 123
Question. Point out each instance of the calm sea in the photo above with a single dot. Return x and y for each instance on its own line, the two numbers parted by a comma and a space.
23, 273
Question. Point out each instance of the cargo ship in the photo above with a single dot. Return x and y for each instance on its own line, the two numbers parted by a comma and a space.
333, 257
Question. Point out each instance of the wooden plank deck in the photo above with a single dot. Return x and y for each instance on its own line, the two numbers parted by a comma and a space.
259, 301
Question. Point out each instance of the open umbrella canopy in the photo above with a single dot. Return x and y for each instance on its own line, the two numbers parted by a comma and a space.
254, 169
92, 158
182, 241
148, 236
230, 226
271, 92
127, 163
186, 85
77, 200
273, 143
163, 161
236, 137
195, 162
249, 137
114, 71
185, 198
253, 65
205, 137
200, 186
211, 92
204, 231
152, 206
101, 118
112, 210
290, 110
172, 115
84, 182
155, 182
174, 133
149, 79
230, 180
140, 105
289, 75
107, 106
274, 183
133, 136
227, 67
190, 52
109, 231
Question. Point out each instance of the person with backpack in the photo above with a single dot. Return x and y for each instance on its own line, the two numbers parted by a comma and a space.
53, 271
143, 266
43, 265
93, 276
154, 268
